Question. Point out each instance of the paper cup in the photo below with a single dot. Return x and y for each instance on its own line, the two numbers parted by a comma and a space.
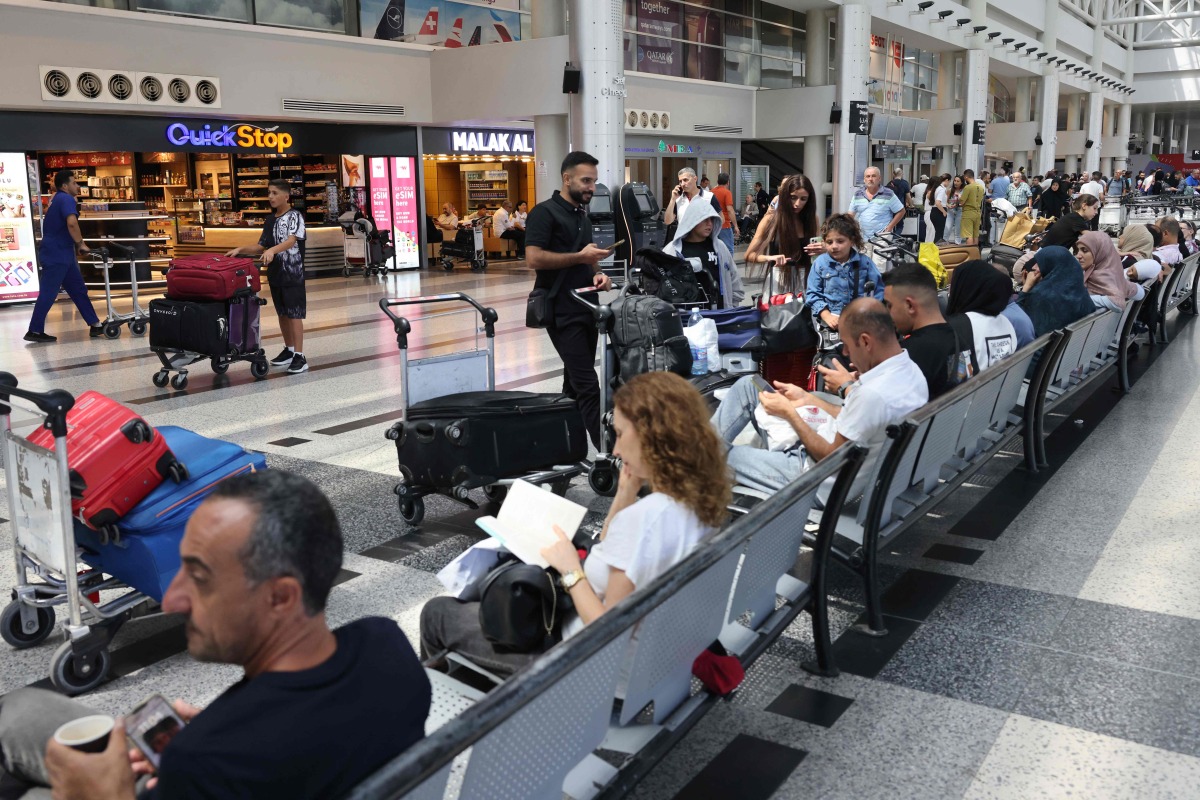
87, 734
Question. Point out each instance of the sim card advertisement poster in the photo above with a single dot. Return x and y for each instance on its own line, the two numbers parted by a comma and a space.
18, 249
393, 203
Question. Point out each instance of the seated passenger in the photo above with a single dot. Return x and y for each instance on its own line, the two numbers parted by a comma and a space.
316, 711
831, 281
1054, 295
889, 387
1102, 273
1168, 252
448, 219
696, 242
1067, 230
665, 446
979, 296
504, 226
1188, 246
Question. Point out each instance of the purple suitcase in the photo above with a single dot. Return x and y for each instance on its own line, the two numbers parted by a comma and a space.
244, 330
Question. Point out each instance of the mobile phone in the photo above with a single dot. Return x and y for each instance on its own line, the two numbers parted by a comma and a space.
151, 726
615, 245
815, 240
761, 383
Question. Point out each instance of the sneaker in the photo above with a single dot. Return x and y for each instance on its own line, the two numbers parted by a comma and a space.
299, 364
283, 359
40, 338
95, 331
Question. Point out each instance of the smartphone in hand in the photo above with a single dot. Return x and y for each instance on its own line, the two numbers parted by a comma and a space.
761, 384
152, 725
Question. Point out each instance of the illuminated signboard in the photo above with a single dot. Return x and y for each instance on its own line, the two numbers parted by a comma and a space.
18, 250
246, 136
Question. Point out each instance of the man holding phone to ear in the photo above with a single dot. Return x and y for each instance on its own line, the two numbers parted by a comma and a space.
558, 245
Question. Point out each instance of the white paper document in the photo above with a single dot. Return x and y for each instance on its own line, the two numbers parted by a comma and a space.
526, 521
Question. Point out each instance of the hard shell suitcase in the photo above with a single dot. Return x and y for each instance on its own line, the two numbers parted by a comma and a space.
244, 326
473, 439
738, 328
145, 552
208, 276
188, 325
115, 457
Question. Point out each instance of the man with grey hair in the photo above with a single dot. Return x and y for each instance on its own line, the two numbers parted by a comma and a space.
877, 208
685, 192
259, 558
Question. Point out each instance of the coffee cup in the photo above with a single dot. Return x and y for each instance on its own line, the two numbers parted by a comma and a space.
86, 734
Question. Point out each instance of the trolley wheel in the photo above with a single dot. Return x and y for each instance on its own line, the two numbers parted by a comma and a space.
603, 480
112, 330
412, 510
12, 631
218, 366
447, 265
72, 677
345, 272
495, 492
178, 472
161, 378
259, 369
179, 381
138, 328
560, 486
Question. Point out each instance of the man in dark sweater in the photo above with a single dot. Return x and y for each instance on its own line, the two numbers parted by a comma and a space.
316, 712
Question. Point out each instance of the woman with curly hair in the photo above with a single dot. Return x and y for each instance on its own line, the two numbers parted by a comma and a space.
664, 447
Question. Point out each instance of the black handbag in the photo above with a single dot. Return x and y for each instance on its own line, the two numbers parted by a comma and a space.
787, 327
539, 306
521, 608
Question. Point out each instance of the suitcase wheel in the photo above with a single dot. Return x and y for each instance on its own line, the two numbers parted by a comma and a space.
218, 366
495, 493
412, 510
75, 673
137, 431
178, 472
602, 478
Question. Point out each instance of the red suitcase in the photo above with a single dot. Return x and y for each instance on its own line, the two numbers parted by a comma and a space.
208, 276
116, 459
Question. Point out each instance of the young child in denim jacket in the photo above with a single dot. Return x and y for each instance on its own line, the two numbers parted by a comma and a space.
830, 281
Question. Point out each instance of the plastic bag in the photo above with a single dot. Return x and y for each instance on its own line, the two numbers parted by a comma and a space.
931, 258
704, 334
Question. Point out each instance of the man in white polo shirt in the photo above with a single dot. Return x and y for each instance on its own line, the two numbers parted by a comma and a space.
505, 227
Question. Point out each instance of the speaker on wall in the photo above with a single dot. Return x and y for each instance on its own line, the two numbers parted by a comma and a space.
1088, 144
958, 129
571, 79
835, 114
1037, 139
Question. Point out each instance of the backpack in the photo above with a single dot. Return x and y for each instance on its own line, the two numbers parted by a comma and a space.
673, 279
648, 337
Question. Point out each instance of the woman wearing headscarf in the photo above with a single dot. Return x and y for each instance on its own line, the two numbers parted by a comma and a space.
1103, 276
979, 293
1052, 200
1054, 295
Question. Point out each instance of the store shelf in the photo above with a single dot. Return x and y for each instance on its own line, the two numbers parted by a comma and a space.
162, 186
114, 215
129, 239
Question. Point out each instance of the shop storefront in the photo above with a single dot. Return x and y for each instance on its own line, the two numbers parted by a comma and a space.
656, 161
477, 167
173, 186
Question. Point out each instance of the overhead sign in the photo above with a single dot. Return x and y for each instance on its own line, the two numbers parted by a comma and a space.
18, 250
860, 121
979, 132
246, 137
663, 147
477, 141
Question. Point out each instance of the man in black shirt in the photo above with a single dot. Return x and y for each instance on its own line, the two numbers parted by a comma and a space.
316, 712
911, 296
558, 245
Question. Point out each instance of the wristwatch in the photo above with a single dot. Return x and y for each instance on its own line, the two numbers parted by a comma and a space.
568, 581
845, 387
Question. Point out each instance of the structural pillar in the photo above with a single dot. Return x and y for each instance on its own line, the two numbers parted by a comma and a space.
975, 108
550, 134
1048, 117
1074, 107
1149, 130
1124, 112
854, 64
1024, 102
598, 111
1095, 132
816, 73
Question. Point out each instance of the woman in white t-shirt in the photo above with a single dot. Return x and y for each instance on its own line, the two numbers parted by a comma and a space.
936, 198
976, 309
666, 445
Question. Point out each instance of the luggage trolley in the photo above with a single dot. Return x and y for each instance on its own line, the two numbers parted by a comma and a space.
138, 319
39, 497
176, 357
468, 246
366, 247
471, 370
605, 470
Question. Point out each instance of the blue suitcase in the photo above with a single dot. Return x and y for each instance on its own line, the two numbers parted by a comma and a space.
146, 554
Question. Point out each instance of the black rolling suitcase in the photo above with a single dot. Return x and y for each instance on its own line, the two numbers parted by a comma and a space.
474, 439
708, 385
197, 327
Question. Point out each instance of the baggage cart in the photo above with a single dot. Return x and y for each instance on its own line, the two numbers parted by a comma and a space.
236, 339
441, 376
467, 246
137, 319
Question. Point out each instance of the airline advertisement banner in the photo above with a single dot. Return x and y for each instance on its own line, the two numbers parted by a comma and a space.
444, 24
18, 248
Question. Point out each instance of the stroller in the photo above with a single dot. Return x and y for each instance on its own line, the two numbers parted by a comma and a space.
371, 247
467, 246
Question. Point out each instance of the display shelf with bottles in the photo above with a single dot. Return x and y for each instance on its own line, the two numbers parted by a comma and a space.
252, 175
485, 187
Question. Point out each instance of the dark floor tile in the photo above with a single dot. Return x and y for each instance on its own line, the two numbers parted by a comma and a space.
728, 775
953, 554
1006, 612
358, 424
963, 665
151, 650
810, 705
916, 593
290, 441
345, 575
866, 656
1140, 638
1140, 705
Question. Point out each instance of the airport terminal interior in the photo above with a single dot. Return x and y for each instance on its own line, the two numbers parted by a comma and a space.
996, 598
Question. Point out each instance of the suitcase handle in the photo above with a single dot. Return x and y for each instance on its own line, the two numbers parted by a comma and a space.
601, 312
403, 327
54, 404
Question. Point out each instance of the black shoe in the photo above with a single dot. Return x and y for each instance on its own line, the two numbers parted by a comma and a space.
284, 358
40, 338
96, 331
299, 364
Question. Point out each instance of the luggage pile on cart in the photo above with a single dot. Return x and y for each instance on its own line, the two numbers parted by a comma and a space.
211, 311
97, 484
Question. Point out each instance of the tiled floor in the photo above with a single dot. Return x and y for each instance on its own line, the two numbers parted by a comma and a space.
1042, 628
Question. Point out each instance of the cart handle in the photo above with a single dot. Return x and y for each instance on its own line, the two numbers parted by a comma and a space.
602, 312
54, 403
403, 327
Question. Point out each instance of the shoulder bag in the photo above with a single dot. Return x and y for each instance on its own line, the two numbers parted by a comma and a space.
521, 608
539, 306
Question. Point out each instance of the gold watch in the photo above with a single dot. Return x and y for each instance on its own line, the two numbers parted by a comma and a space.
568, 581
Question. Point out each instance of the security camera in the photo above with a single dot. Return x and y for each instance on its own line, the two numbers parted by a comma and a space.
871, 82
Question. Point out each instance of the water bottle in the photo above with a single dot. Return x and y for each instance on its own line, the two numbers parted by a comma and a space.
699, 352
